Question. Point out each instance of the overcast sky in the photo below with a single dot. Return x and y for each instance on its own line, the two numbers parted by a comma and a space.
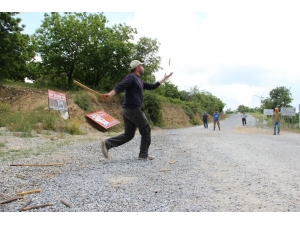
233, 53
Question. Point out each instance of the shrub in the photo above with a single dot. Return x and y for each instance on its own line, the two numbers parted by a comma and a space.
153, 107
4, 107
73, 127
83, 101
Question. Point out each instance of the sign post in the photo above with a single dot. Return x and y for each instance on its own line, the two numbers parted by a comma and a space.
58, 101
268, 112
288, 112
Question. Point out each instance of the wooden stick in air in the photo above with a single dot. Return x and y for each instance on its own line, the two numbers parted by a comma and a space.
85, 87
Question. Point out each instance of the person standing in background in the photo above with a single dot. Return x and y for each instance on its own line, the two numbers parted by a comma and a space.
204, 118
216, 119
276, 118
244, 118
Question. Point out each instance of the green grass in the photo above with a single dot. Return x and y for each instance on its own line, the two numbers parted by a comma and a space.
46, 149
83, 101
268, 123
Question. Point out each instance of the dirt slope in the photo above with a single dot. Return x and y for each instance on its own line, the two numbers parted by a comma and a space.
26, 100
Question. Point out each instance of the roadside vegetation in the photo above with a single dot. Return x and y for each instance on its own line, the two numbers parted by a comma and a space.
94, 54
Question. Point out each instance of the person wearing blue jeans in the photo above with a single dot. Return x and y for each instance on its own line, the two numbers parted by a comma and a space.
132, 110
276, 118
216, 116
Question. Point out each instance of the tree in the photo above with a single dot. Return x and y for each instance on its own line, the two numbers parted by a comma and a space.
16, 48
243, 108
62, 40
146, 50
109, 56
278, 97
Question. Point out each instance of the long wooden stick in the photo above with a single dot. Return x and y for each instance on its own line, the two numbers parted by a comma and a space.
10, 200
53, 164
29, 192
85, 87
38, 206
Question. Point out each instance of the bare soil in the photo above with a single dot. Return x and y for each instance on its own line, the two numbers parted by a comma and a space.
26, 100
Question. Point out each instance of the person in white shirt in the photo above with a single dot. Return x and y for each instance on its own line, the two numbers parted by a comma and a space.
244, 118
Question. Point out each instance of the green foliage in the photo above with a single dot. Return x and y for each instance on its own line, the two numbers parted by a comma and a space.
278, 97
4, 107
153, 107
49, 121
79, 46
146, 51
169, 90
229, 111
83, 101
73, 127
192, 109
24, 124
16, 48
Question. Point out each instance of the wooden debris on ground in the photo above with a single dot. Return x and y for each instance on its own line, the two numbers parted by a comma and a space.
20, 176
53, 164
29, 192
66, 203
37, 206
164, 170
10, 200
172, 162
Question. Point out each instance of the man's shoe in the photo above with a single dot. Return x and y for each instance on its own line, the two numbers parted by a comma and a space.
104, 150
274, 134
145, 158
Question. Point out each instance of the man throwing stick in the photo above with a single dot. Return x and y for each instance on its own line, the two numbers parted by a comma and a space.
132, 111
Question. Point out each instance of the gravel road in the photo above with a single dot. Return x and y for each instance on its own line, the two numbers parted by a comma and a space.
237, 169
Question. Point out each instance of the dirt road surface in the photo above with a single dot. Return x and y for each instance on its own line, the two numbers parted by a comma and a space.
237, 169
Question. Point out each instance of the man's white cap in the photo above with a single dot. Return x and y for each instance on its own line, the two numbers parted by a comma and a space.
134, 64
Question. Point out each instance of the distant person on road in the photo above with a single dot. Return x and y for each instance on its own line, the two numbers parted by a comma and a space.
204, 118
132, 111
216, 119
244, 118
276, 118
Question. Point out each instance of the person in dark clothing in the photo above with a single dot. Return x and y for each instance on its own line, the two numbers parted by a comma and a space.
244, 116
204, 118
132, 110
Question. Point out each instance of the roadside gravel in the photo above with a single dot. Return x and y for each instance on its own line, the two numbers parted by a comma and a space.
237, 169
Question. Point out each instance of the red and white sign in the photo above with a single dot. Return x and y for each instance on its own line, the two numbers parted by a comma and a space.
103, 119
57, 101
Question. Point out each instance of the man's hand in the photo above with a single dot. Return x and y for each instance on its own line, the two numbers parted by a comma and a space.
165, 78
106, 97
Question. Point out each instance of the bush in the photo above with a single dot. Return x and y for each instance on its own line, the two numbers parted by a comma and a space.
153, 108
73, 127
83, 101
4, 107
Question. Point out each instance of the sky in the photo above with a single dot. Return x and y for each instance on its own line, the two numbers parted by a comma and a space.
237, 52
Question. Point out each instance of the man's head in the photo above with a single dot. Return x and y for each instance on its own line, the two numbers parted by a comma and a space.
137, 67
276, 109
